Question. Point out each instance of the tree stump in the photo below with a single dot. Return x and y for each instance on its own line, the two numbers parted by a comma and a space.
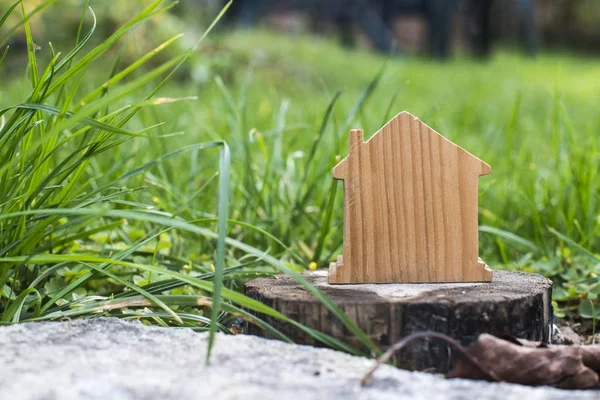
513, 303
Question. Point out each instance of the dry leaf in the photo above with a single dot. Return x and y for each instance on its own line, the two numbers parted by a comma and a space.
516, 361
529, 363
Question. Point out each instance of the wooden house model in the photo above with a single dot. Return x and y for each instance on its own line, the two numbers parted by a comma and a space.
410, 203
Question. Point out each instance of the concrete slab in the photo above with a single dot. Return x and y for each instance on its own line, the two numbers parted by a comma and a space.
110, 359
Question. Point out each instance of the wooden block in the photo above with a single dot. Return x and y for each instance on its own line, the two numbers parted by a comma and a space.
410, 204
513, 303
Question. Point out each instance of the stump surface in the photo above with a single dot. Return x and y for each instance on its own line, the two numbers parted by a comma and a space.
513, 303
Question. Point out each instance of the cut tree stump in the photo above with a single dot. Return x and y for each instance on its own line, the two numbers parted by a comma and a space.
513, 303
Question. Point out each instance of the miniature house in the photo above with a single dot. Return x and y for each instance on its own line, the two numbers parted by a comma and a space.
410, 201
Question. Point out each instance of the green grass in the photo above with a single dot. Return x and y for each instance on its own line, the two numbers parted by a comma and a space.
119, 196
534, 121
89, 228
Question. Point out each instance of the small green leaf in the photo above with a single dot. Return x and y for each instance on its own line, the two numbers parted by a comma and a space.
587, 310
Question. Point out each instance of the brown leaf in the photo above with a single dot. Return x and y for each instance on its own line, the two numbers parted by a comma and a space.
589, 353
517, 361
560, 366
591, 356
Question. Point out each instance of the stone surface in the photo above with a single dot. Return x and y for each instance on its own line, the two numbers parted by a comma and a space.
113, 360
513, 303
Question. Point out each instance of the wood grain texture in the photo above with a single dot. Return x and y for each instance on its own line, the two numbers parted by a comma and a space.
410, 204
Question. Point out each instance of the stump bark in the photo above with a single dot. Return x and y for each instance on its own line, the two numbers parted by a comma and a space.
513, 303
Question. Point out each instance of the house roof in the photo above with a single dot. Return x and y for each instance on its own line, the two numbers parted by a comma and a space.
339, 171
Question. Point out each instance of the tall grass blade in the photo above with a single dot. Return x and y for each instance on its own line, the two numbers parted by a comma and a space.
8, 12
224, 166
510, 237
326, 222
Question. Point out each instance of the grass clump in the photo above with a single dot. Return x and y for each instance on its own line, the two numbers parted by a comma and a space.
533, 120
85, 223
116, 201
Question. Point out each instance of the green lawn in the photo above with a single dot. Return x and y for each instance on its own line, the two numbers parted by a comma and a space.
89, 209
533, 120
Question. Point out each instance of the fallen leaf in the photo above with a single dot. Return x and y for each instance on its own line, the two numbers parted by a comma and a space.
528, 363
516, 361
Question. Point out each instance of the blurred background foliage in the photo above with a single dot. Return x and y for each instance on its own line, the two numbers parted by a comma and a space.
283, 95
